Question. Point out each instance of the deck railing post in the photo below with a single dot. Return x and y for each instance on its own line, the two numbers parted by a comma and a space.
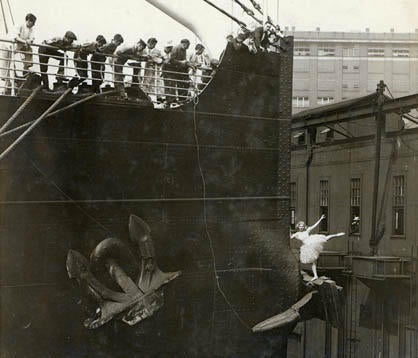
12, 69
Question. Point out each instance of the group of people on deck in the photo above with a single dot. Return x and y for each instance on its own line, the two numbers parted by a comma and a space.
264, 38
170, 73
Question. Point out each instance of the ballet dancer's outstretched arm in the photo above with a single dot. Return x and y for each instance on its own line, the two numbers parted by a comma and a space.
310, 228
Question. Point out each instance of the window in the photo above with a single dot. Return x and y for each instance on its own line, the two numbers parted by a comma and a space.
400, 85
376, 52
351, 85
326, 51
351, 51
325, 100
300, 101
323, 205
300, 138
355, 201
398, 205
400, 52
329, 133
302, 51
293, 205
351, 68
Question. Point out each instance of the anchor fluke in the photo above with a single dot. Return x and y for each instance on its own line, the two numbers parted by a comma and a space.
151, 277
285, 318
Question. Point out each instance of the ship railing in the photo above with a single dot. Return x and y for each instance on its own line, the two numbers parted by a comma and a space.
161, 85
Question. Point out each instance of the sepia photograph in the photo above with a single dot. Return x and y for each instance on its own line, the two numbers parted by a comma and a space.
208, 178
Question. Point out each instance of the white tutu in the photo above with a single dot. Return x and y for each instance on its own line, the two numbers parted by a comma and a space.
309, 252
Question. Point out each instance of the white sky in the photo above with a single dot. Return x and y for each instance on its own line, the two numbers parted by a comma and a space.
137, 19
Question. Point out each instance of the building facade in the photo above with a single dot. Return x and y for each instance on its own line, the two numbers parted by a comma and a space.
333, 172
334, 66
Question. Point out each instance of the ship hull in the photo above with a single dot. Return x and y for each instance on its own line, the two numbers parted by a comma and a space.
79, 176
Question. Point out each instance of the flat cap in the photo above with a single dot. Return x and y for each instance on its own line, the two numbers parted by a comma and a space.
70, 35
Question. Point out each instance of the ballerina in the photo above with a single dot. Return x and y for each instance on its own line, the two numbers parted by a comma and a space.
312, 245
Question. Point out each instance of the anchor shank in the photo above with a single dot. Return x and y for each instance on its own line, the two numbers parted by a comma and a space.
122, 279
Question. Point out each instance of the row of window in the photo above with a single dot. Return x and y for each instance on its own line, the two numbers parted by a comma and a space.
398, 205
354, 67
351, 51
303, 101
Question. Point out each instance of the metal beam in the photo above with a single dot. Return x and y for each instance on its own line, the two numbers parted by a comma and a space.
397, 105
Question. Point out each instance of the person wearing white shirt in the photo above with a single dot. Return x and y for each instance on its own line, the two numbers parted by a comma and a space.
23, 38
200, 68
152, 83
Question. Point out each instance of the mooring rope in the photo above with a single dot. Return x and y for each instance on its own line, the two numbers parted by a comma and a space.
72, 105
20, 109
34, 124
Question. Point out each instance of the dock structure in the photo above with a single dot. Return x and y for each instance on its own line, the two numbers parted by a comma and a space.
355, 161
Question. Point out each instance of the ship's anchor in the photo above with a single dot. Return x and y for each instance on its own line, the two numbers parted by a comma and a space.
141, 298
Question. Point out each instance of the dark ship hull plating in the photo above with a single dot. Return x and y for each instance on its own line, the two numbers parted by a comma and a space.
76, 179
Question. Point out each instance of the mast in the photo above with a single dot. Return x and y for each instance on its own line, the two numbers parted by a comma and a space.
6, 18
179, 14
194, 15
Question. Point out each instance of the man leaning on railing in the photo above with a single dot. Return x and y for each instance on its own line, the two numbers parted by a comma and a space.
135, 52
64, 43
86, 49
177, 77
98, 60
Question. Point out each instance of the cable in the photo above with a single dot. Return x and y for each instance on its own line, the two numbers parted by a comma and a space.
11, 13
390, 93
257, 6
216, 277
4, 17
277, 12
239, 22
248, 11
